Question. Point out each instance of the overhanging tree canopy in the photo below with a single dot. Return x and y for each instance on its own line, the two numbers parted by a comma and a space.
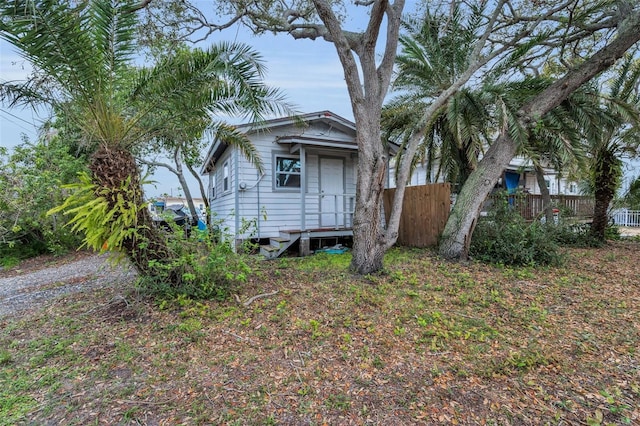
513, 34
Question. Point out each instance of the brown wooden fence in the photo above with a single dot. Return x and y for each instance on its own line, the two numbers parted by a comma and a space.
425, 211
530, 206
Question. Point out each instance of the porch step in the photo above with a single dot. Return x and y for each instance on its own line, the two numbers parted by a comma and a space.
278, 245
269, 251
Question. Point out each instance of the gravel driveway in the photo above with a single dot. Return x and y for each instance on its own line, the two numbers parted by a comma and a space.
32, 289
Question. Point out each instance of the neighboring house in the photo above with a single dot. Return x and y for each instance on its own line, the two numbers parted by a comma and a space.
518, 175
521, 172
307, 190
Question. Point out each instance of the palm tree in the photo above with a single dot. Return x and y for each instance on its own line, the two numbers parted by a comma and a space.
611, 139
83, 57
435, 51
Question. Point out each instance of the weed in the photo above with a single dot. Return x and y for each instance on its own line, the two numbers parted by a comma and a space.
411, 293
612, 396
338, 401
305, 390
314, 327
377, 362
192, 327
281, 307
5, 357
399, 331
131, 415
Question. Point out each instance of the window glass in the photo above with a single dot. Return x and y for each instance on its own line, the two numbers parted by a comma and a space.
225, 177
213, 186
287, 172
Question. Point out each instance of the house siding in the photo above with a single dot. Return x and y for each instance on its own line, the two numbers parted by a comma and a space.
223, 205
270, 209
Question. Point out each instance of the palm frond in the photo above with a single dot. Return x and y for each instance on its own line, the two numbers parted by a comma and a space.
231, 136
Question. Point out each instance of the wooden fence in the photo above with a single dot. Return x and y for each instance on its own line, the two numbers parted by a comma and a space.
425, 211
530, 205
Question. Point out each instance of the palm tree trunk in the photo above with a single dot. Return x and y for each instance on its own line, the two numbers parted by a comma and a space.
607, 173
116, 174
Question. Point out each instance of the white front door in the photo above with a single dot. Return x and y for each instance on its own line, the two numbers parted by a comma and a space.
331, 190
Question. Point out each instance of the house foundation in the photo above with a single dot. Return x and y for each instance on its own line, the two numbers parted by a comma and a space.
305, 246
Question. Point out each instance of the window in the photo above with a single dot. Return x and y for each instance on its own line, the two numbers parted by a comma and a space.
572, 188
213, 186
287, 172
548, 183
225, 177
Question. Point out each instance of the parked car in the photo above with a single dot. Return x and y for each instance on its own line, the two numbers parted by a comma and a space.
177, 214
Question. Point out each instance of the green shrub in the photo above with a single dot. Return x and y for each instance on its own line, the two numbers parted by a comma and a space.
31, 179
208, 267
575, 235
503, 236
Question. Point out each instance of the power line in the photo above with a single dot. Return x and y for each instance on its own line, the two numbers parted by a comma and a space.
15, 116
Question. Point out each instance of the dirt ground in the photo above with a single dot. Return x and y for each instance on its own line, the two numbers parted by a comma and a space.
627, 231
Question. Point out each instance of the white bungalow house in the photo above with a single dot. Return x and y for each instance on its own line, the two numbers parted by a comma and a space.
307, 189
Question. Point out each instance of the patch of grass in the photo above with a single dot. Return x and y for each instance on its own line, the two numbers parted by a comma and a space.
323, 262
5, 357
338, 401
9, 261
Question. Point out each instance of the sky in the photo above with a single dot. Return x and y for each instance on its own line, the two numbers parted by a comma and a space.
308, 72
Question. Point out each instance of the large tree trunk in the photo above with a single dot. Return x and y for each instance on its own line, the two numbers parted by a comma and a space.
184, 184
116, 174
544, 194
369, 235
370, 239
462, 220
456, 237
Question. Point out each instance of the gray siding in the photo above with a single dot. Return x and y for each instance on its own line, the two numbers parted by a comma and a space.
223, 205
269, 209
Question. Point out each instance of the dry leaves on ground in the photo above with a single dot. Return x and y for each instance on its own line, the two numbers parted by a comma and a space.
428, 342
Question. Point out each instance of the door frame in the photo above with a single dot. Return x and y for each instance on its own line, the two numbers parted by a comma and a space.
338, 220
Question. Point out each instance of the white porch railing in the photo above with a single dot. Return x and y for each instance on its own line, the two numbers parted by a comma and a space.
323, 210
625, 217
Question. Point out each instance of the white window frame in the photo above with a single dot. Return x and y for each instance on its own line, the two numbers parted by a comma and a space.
277, 172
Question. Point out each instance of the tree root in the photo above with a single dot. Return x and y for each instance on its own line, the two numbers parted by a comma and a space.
254, 298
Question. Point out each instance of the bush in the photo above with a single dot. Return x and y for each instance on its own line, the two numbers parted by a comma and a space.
503, 236
207, 266
31, 179
575, 235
